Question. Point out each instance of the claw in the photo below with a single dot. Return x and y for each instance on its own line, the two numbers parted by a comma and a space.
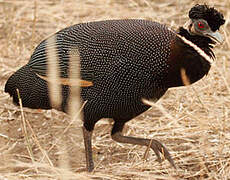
155, 145
158, 147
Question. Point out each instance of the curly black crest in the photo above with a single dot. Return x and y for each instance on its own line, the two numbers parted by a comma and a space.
214, 18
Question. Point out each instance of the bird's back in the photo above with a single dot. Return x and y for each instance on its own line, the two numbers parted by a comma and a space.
125, 59
102, 43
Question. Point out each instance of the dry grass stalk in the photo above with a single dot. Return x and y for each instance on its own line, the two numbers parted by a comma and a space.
26, 123
196, 130
66, 81
24, 130
74, 78
147, 149
63, 159
34, 19
74, 102
53, 73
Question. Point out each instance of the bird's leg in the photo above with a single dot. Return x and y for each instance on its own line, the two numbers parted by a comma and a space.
155, 145
88, 149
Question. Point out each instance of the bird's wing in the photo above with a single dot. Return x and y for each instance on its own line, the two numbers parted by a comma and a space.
59, 54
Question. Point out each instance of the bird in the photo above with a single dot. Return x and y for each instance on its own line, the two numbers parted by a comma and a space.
122, 62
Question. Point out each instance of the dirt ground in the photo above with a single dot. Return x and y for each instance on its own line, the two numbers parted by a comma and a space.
193, 122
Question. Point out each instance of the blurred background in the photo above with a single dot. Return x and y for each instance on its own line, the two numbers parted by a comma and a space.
193, 122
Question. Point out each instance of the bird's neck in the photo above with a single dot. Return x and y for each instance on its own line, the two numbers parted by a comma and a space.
185, 59
205, 43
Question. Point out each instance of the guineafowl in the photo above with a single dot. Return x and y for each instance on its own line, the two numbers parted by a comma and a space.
124, 62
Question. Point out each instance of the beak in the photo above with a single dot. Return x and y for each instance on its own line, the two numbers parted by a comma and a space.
216, 36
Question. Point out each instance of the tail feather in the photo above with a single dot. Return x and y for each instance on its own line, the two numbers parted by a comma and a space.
33, 90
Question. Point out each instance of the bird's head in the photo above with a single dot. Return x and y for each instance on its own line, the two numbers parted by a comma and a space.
205, 21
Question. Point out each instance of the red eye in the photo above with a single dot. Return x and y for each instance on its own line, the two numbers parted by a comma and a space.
201, 25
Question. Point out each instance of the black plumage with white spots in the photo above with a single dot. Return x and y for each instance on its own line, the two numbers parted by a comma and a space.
126, 60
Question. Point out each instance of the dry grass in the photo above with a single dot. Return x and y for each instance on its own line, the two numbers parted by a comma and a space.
193, 122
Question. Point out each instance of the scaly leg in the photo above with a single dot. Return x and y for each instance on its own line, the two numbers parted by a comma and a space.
88, 149
156, 146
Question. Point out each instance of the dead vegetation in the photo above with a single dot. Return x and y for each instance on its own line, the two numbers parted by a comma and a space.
193, 122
